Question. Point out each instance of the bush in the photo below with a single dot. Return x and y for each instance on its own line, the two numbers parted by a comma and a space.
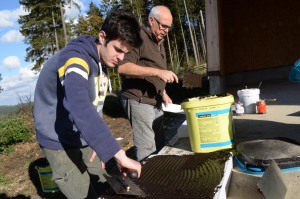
13, 130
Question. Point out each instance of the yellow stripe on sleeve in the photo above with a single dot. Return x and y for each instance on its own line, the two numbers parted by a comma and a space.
73, 60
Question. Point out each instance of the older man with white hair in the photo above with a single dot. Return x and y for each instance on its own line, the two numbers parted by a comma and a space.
143, 87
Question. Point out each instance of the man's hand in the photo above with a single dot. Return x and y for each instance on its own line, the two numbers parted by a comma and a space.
167, 76
93, 157
167, 100
133, 70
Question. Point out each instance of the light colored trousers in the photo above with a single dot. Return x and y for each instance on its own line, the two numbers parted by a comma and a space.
75, 175
146, 121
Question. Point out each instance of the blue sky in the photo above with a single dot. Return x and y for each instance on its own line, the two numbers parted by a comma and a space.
18, 81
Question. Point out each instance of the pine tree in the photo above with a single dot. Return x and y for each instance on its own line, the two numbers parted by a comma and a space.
139, 7
43, 29
91, 24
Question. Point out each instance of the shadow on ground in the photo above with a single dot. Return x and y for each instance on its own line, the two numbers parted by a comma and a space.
4, 196
113, 107
246, 130
34, 177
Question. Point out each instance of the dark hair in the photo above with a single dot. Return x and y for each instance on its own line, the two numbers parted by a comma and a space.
122, 25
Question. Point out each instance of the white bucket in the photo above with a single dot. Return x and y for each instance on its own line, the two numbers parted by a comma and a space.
248, 98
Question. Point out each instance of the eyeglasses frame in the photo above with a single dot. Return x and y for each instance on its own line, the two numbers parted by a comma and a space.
162, 26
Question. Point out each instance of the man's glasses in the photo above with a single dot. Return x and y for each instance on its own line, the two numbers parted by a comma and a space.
163, 26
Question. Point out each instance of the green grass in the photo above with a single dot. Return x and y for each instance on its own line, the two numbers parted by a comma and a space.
7, 110
3, 180
13, 130
27, 163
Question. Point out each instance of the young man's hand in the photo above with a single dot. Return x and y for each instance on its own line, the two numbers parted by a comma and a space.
125, 162
93, 157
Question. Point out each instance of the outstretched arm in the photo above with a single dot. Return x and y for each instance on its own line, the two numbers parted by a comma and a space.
134, 70
123, 161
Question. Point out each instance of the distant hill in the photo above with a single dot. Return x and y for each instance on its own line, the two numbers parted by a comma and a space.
5, 110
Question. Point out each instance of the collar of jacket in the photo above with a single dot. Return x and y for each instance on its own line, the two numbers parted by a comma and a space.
151, 35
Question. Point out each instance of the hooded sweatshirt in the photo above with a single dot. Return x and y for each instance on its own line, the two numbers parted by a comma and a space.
68, 101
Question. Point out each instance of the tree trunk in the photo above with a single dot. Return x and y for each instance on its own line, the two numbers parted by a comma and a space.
196, 43
55, 33
202, 30
191, 33
177, 55
185, 46
170, 52
63, 23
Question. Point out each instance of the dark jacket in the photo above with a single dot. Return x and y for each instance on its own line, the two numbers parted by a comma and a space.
67, 88
146, 90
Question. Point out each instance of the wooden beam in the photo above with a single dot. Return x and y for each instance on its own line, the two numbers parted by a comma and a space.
212, 33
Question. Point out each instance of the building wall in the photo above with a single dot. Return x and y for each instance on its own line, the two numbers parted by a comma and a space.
258, 34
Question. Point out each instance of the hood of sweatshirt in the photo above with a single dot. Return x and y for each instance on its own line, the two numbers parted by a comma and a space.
84, 44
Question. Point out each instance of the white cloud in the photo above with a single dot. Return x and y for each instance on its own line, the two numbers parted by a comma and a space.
12, 36
8, 18
26, 74
72, 12
19, 85
12, 62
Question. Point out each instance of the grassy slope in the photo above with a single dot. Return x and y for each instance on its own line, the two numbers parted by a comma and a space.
5, 110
